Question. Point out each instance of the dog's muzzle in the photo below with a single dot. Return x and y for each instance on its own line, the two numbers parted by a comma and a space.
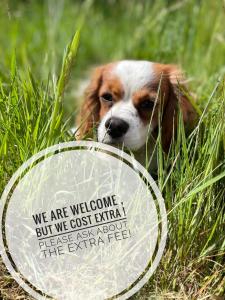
116, 127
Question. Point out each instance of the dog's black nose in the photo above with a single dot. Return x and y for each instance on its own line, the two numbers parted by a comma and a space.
116, 127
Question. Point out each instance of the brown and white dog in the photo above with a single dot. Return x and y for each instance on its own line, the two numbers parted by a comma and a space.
125, 99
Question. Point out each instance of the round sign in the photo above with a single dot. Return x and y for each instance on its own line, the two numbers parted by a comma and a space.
82, 220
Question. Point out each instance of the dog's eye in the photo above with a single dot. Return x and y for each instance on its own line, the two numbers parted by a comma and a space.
146, 104
107, 97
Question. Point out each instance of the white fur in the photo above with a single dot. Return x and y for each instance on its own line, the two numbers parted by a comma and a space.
133, 75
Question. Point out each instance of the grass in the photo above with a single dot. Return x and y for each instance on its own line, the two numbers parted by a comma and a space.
36, 110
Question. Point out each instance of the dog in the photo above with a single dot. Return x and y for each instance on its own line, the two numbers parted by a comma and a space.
129, 102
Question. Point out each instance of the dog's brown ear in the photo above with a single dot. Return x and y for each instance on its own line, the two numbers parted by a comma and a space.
89, 112
177, 97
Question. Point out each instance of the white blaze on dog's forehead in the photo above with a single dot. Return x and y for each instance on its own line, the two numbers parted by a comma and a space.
134, 74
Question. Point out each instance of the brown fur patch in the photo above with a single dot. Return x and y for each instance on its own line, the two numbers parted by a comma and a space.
173, 90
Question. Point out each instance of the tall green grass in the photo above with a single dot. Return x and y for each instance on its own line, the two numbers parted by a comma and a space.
36, 110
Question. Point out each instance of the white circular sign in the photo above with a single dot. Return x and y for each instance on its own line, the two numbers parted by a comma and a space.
82, 220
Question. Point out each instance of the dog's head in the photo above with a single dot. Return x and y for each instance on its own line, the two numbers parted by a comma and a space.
125, 101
